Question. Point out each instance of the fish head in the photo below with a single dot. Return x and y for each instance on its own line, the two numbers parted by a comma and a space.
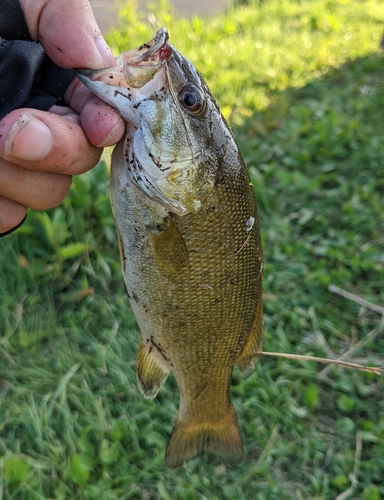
175, 132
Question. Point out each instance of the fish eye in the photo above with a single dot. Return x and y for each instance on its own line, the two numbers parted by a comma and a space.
192, 99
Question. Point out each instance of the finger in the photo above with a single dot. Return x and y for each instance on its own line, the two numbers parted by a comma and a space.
37, 190
68, 31
11, 214
102, 125
39, 140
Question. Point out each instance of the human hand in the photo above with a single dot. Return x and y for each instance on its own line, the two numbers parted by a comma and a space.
39, 150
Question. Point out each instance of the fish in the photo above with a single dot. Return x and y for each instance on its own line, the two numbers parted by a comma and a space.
189, 240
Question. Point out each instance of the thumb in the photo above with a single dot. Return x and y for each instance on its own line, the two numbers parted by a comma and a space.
68, 31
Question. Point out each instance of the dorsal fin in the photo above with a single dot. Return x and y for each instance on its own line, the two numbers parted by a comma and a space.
252, 349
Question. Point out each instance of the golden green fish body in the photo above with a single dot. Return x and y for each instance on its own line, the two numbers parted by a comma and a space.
191, 254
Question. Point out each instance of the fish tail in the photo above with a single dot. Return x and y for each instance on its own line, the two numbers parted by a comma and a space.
191, 438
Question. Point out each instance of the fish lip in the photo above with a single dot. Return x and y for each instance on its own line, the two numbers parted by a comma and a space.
159, 48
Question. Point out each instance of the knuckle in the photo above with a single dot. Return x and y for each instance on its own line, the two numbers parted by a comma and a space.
53, 194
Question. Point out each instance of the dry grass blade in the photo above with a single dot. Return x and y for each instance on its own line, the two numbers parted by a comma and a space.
362, 343
359, 448
345, 364
253, 470
356, 298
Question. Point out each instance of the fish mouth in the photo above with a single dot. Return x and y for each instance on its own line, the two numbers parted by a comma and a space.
158, 47
133, 69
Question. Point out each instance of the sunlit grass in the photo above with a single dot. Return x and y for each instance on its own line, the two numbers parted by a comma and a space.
302, 85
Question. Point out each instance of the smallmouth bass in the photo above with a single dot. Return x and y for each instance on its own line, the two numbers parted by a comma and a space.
189, 240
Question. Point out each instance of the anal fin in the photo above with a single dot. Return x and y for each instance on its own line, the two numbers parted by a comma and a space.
253, 346
151, 372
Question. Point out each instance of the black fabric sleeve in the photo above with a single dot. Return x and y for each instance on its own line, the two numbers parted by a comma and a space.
12, 22
28, 77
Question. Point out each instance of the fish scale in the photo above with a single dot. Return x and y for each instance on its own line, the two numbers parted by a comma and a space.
189, 241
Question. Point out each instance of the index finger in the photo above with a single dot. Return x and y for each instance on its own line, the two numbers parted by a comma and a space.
68, 32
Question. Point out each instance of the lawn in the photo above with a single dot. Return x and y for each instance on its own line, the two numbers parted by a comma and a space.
302, 85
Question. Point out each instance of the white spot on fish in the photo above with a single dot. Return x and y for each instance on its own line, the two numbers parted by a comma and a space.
249, 224
205, 285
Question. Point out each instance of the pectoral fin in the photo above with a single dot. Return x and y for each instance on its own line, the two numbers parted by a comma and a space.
251, 351
151, 372
169, 248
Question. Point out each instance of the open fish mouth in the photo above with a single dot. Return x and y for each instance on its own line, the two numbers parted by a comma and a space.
116, 85
157, 47
133, 68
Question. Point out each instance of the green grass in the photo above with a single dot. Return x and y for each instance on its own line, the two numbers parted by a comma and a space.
302, 86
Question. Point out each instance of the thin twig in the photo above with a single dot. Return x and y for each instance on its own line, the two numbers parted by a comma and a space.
356, 298
8, 357
359, 447
263, 454
369, 338
344, 364
19, 315
363, 361
1, 480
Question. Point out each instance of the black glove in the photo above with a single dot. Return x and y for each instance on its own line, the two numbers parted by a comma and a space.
28, 77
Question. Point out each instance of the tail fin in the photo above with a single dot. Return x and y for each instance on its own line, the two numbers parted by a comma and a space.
189, 439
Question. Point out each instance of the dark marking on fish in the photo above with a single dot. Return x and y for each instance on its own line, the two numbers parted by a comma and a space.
159, 348
126, 291
117, 92
235, 352
157, 163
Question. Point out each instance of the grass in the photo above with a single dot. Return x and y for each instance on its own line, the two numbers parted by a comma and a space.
302, 86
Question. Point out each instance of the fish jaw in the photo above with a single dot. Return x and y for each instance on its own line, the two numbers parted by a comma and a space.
115, 97
135, 68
